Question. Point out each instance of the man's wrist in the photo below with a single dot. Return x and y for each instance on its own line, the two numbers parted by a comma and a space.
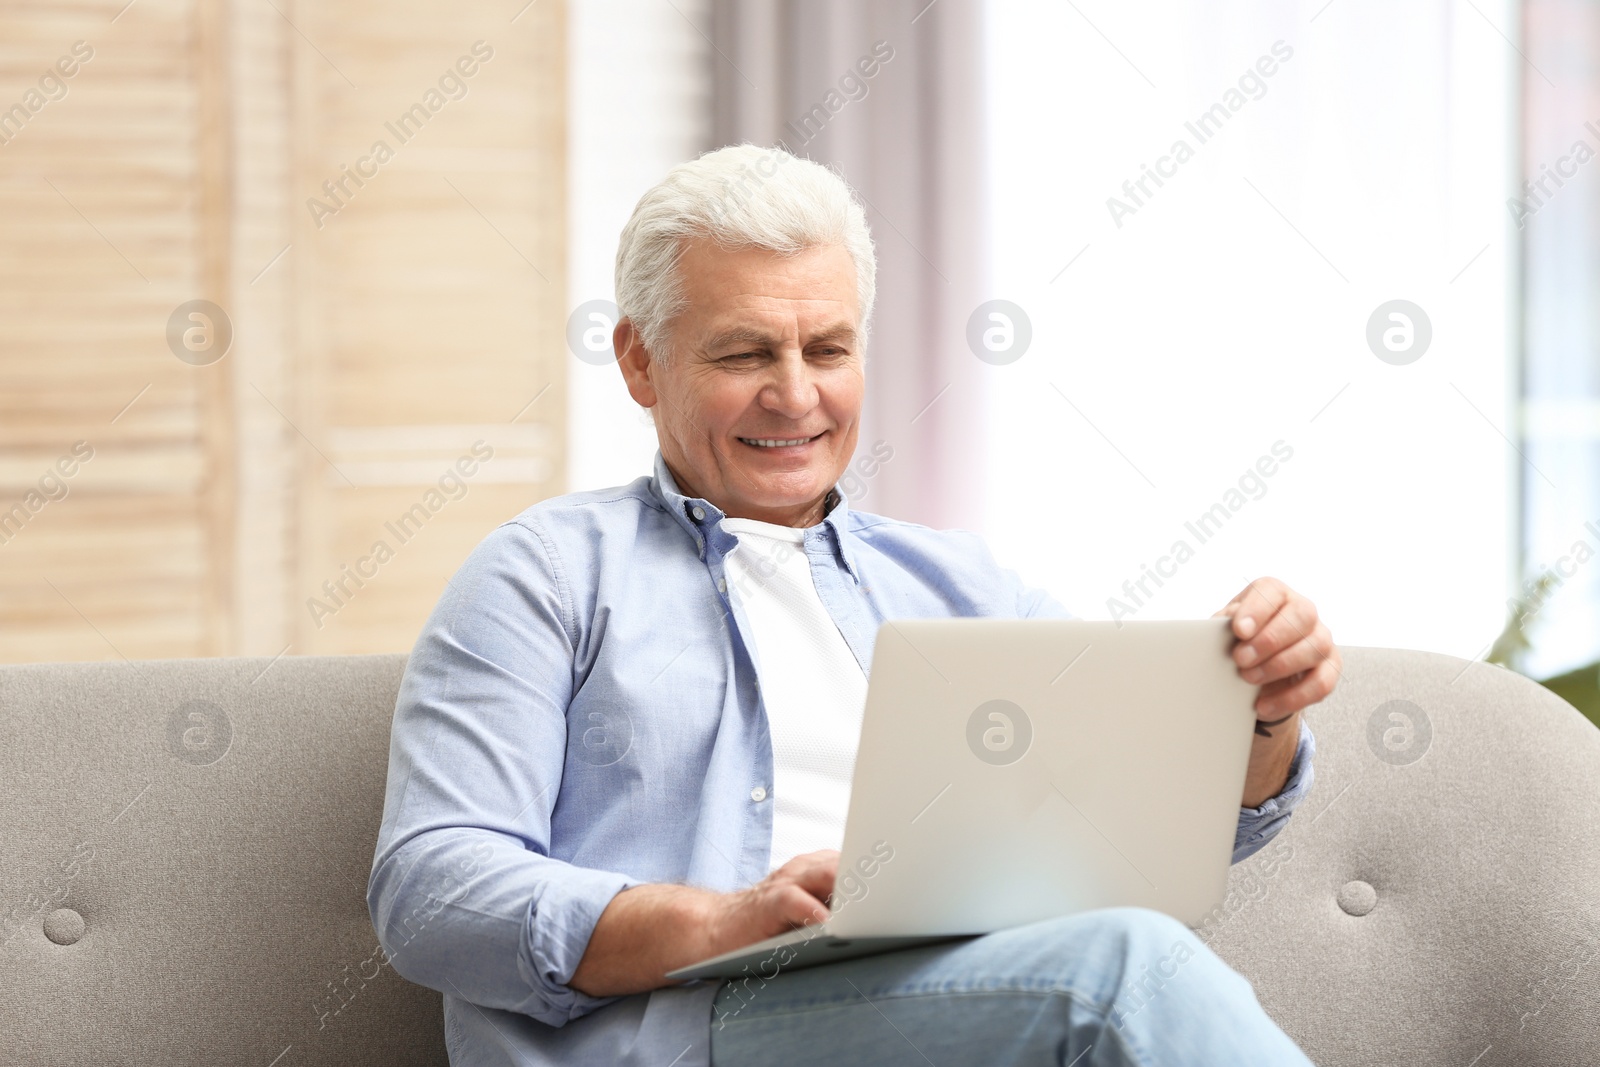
1271, 758
700, 914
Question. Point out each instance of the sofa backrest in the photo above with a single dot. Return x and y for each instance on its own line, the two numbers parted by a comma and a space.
183, 866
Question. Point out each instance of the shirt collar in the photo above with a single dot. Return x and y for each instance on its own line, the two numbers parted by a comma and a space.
693, 512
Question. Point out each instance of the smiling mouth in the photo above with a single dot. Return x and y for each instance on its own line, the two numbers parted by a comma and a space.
777, 442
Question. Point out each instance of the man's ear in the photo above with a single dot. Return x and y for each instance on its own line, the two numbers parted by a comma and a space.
635, 362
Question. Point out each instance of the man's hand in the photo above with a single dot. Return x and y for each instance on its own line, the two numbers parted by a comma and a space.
792, 896
649, 930
1286, 650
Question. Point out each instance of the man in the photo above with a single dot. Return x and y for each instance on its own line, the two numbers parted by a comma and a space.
624, 739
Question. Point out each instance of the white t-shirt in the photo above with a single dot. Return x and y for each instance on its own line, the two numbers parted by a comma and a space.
813, 688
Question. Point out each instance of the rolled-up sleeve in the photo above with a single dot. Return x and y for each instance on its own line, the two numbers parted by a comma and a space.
464, 893
1259, 825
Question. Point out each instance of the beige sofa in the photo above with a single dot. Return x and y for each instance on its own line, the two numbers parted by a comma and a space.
185, 847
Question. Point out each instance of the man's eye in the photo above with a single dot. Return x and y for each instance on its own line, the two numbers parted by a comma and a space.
743, 355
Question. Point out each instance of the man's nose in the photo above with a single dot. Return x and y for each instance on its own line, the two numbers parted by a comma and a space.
790, 391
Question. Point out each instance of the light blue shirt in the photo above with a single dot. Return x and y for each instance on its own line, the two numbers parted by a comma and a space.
581, 714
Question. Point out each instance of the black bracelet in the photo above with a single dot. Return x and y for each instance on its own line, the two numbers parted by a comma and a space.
1262, 724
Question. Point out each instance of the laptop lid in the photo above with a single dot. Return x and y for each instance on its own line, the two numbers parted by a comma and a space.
1012, 770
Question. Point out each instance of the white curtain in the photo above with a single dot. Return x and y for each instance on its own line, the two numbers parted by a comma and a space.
892, 93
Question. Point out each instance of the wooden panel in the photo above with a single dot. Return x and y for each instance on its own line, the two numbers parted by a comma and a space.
373, 345
101, 195
438, 297
265, 324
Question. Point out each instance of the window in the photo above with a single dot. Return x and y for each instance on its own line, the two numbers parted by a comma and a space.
1196, 308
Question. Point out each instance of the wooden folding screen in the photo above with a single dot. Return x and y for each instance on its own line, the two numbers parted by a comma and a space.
373, 196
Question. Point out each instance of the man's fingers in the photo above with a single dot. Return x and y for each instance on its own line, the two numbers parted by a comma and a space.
1289, 695
797, 907
818, 881
812, 872
1300, 655
1254, 605
1282, 646
1291, 623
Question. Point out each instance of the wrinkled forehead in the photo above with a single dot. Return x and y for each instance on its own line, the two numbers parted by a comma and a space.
753, 294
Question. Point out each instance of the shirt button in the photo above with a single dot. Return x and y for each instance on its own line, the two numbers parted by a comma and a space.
699, 513
758, 794
722, 585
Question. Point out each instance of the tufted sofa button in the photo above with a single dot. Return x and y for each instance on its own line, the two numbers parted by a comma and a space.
63, 926
1357, 898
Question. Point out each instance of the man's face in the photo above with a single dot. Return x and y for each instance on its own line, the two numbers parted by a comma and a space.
766, 350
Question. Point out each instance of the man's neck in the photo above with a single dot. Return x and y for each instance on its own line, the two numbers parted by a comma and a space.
812, 514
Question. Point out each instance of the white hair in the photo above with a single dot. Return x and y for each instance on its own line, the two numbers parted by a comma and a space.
741, 196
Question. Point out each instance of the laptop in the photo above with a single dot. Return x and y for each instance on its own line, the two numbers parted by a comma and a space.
1015, 770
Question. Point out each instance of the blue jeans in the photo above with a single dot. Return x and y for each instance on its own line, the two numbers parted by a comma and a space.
1115, 987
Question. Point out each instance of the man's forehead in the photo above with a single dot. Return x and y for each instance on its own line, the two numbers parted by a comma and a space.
747, 295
